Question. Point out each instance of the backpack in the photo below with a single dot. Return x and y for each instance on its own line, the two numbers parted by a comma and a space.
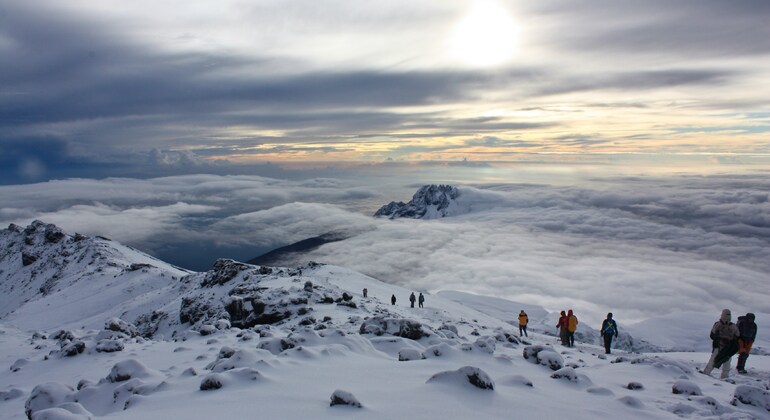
610, 328
573, 321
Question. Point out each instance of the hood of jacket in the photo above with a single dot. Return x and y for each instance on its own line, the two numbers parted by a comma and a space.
726, 316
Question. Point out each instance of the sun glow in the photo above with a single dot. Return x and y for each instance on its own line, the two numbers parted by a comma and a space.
486, 36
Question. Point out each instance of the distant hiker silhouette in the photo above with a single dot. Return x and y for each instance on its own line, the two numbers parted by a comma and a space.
421, 299
365, 291
563, 325
609, 331
412, 299
724, 336
392, 299
523, 321
748, 332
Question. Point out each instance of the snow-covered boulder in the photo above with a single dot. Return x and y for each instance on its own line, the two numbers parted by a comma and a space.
18, 364
686, 387
545, 356
465, 375
566, 373
340, 397
399, 327
405, 355
47, 395
121, 326
109, 346
129, 369
750, 395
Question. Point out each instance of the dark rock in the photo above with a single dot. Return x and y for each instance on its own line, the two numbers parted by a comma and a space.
74, 348
308, 321
406, 328
346, 297
27, 259
340, 397
308, 286
139, 266
62, 335
634, 386
223, 271
268, 318
53, 234
211, 381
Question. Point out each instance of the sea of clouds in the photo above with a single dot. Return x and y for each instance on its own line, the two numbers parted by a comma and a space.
636, 246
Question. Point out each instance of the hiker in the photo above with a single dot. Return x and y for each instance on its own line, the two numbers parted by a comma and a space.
523, 320
571, 327
724, 336
365, 291
392, 299
412, 299
609, 331
562, 325
421, 300
748, 332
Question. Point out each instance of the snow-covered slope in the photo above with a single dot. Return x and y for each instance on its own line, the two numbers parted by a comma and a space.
52, 279
241, 340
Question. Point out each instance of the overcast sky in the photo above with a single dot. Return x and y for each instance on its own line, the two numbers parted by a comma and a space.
116, 88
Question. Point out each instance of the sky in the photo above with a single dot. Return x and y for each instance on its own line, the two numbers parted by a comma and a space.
142, 88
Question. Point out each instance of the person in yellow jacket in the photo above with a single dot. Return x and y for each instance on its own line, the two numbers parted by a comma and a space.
523, 321
572, 326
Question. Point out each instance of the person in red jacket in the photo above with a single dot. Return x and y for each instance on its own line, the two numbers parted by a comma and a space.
562, 326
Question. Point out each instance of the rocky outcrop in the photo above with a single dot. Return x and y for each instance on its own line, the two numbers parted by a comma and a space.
430, 201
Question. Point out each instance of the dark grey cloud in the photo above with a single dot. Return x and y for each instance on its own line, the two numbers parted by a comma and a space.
683, 29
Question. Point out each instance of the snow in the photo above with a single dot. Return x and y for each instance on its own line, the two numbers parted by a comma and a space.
365, 355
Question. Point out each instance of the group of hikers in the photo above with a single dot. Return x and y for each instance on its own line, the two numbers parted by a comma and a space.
412, 298
727, 339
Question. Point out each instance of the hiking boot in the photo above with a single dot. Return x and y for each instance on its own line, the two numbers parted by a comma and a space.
742, 371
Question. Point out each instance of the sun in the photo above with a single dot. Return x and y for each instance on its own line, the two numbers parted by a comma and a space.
486, 36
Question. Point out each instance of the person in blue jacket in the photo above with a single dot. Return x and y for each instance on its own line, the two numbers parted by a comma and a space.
609, 331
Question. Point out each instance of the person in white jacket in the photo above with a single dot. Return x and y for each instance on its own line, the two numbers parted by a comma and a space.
722, 334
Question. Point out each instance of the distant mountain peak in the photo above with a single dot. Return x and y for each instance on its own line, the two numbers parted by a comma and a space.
429, 202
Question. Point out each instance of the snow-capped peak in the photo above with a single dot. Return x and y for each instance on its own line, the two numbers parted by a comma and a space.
429, 202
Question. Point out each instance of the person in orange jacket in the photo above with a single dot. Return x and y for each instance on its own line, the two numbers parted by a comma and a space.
523, 321
571, 327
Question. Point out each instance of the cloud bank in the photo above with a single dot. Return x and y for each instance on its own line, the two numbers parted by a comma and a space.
636, 246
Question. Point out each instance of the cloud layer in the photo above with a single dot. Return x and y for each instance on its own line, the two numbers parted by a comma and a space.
637, 246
